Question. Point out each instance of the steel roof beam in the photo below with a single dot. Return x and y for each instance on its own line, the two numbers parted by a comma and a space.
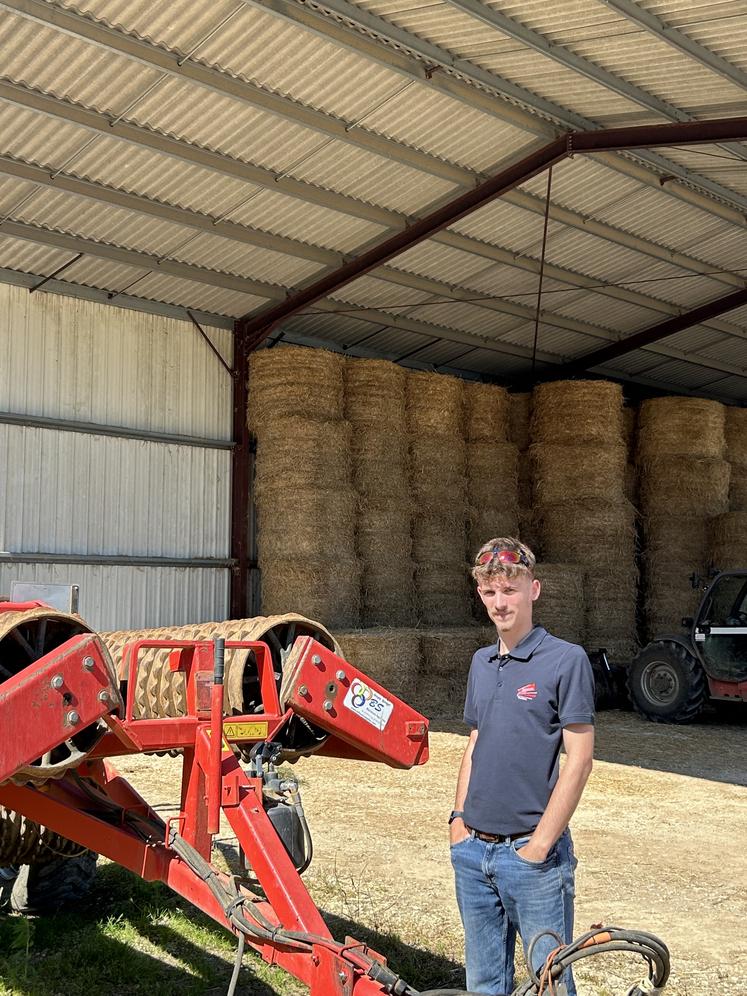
646, 337
258, 325
570, 60
353, 27
157, 209
145, 138
679, 40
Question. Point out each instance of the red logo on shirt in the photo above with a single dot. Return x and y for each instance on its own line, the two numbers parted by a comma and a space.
527, 692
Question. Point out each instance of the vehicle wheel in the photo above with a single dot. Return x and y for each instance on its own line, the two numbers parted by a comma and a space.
667, 684
43, 889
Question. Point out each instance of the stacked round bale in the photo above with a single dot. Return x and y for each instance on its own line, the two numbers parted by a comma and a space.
560, 608
579, 458
389, 656
445, 658
735, 428
306, 504
728, 539
520, 413
375, 409
684, 483
435, 423
492, 465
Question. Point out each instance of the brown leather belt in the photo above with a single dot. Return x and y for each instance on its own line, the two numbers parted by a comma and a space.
498, 838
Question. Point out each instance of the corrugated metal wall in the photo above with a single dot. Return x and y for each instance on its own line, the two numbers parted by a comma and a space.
90, 494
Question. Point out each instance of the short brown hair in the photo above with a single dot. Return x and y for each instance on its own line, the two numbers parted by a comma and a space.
495, 568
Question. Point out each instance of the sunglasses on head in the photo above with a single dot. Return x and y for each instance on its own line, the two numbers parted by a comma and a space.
502, 556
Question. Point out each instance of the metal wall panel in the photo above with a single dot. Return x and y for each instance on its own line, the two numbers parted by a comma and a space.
70, 492
133, 597
74, 359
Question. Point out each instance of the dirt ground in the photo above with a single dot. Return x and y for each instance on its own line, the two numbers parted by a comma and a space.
660, 834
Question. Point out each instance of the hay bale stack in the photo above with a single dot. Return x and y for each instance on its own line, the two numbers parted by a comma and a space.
445, 658
437, 447
560, 606
729, 541
375, 409
389, 656
630, 435
579, 456
736, 453
683, 483
520, 413
610, 616
492, 491
304, 493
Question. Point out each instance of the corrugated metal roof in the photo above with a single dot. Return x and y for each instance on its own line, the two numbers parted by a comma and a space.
411, 142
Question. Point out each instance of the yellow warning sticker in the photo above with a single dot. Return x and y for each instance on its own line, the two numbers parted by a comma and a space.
246, 731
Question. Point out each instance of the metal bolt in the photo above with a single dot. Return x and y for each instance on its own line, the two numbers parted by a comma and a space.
340, 675
57, 682
88, 663
103, 695
316, 659
327, 705
303, 690
342, 976
72, 718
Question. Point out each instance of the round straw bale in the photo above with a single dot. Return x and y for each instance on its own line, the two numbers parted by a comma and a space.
578, 473
329, 590
486, 412
677, 485
435, 404
374, 390
374, 447
560, 606
307, 523
492, 474
738, 488
677, 539
446, 656
294, 380
735, 429
689, 427
592, 533
382, 481
525, 478
729, 541
441, 594
520, 411
388, 594
299, 453
577, 411
437, 537
610, 600
434, 464
383, 532
389, 656
485, 522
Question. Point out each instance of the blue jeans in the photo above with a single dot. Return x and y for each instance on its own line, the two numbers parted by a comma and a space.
499, 893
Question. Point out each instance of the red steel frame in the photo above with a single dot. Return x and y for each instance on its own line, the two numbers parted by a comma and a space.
213, 781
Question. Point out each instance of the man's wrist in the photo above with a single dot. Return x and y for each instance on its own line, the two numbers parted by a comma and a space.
456, 814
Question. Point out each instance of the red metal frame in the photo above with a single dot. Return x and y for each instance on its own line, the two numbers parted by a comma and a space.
100, 810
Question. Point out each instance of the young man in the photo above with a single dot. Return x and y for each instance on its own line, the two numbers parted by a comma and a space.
510, 845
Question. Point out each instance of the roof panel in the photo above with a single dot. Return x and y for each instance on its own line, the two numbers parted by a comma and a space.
217, 253
190, 294
30, 257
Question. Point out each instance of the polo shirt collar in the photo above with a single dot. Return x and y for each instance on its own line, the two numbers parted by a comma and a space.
525, 648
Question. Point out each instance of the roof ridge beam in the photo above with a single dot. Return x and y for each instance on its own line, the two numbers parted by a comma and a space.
102, 193
679, 40
353, 27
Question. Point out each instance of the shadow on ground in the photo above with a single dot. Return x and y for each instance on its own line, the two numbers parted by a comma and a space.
714, 748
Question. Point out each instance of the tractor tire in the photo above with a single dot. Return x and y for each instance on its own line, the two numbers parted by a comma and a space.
40, 890
667, 684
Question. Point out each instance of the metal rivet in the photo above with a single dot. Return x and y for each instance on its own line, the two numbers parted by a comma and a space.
104, 695
88, 663
340, 675
72, 717
327, 706
303, 690
316, 659
57, 682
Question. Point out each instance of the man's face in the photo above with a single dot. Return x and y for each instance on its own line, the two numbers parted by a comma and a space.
509, 601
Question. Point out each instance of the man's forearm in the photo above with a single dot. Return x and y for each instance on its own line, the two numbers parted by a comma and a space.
563, 801
465, 770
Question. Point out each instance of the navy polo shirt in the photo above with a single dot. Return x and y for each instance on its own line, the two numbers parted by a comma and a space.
519, 704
